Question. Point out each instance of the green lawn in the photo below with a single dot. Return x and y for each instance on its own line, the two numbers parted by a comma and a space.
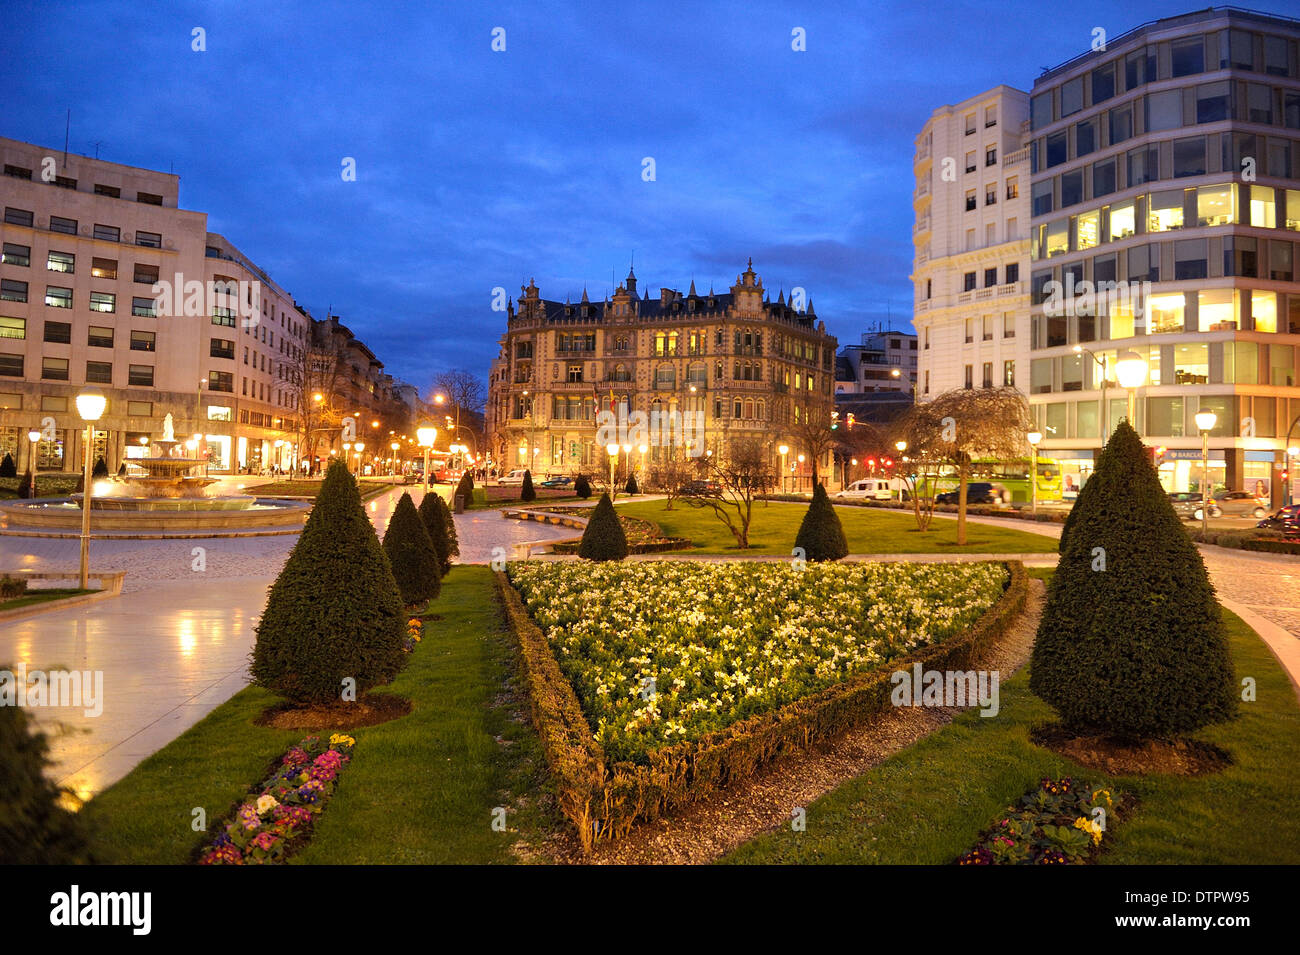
305, 488
928, 803
869, 531
420, 789
42, 596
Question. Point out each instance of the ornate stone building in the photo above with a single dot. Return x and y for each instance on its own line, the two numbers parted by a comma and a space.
744, 365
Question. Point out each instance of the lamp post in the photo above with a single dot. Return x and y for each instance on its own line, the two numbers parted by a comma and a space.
1103, 422
360, 446
643, 448
33, 437
347, 453
1205, 422
901, 446
91, 407
1034, 437
799, 479
612, 451
392, 462
784, 449
1131, 370
426, 436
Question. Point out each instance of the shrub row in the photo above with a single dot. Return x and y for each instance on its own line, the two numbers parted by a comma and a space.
604, 801
1272, 545
981, 510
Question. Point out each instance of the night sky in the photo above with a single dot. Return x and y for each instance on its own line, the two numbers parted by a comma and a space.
478, 169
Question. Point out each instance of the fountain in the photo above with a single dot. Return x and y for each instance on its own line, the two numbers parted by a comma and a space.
167, 499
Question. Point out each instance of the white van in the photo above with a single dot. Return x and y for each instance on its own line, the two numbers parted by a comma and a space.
874, 489
514, 477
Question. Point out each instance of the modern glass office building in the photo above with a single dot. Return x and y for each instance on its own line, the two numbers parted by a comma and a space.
1165, 220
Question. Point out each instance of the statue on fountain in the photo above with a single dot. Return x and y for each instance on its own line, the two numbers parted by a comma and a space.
168, 433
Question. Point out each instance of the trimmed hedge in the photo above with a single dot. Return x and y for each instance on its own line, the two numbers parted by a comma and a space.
7, 467
1272, 545
526, 491
630, 487
582, 487
604, 801
604, 538
417, 566
821, 536
100, 470
465, 489
334, 612
1132, 640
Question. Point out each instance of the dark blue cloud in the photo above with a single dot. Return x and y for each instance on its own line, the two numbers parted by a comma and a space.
479, 169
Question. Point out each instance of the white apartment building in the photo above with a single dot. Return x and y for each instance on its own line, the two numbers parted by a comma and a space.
971, 238
883, 361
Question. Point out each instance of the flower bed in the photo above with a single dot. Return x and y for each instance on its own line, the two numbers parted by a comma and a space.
1057, 824
654, 683
267, 828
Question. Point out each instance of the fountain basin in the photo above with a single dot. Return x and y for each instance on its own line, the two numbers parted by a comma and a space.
126, 517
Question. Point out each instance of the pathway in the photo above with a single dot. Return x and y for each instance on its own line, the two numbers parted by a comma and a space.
175, 645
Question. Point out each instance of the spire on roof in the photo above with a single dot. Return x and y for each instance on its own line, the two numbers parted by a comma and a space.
691, 293
584, 294
780, 298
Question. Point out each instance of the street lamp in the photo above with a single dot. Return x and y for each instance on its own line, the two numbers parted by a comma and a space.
1131, 370
392, 462
612, 451
784, 449
426, 436
360, 446
32, 437
1034, 438
643, 448
799, 479
1205, 422
1103, 422
347, 453
90, 406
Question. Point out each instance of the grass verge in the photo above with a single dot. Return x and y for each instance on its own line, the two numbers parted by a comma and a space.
928, 803
420, 789
43, 596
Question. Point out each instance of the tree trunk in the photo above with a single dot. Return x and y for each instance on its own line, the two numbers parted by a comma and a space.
963, 476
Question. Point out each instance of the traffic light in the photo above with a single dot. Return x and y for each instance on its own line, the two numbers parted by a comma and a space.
850, 420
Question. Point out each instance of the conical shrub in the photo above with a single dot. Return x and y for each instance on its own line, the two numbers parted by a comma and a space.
528, 492
630, 487
820, 534
431, 512
465, 489
582, 487
100, 470
7, 467
34, 828
1131, 642
412, 554
604, 538
453, 544
335, 611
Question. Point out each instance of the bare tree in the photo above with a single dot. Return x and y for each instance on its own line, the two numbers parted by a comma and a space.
312, 378
463, 392
815, 436
959, 425
671, 473
741, 478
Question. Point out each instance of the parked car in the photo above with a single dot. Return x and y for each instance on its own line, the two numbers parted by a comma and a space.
873, 489
1238, 504
701, 488
977, 492
514, 477
561, 482
1286, 519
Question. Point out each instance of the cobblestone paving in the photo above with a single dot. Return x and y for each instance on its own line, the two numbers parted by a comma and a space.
1268, 584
